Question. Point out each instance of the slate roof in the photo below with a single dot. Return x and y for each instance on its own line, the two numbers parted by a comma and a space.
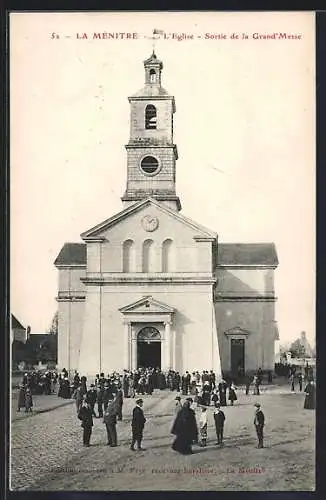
16, 324
153, 60
71, 253
247, 254
228, 254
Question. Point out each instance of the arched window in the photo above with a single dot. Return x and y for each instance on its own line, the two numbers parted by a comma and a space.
167, 256
150, 117
128, 256
152, 76
148, 334
148, 256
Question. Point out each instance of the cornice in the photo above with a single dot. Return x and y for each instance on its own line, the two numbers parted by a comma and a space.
68, 298
246, 266
257, 298
204, 238
71, 266
148, 280
151, 98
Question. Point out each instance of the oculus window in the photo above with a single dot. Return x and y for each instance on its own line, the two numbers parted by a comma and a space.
149, 165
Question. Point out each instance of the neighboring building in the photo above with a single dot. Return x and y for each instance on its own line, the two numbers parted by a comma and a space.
149, 286
18, 331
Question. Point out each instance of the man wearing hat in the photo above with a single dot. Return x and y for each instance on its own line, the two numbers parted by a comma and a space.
110, 420
259, 423
91, 397
86, 416
137, 425
219, 418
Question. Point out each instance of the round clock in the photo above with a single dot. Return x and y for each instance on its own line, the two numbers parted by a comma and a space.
150, 223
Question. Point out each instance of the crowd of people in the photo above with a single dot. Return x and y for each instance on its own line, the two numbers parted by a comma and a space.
36, 382
105, 396
200, 391
109, 392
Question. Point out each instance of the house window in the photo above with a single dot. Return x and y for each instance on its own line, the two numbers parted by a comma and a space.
128, 256
152, 76
149, 165
150, 117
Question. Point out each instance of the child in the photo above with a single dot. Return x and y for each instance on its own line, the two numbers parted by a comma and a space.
203, 426
28, 400
219, 419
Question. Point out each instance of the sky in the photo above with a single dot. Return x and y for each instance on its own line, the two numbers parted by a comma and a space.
244, 127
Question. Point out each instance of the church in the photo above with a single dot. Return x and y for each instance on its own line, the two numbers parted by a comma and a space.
151, 287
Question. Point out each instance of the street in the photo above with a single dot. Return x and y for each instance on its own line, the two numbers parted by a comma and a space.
47, 451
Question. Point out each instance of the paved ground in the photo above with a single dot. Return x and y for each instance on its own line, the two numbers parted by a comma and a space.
47, 451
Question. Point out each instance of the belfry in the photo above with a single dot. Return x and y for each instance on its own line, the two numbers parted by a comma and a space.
151, 287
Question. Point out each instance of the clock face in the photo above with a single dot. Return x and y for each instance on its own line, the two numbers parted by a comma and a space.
150, 223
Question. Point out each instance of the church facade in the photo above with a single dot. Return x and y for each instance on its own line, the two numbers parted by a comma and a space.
151, 287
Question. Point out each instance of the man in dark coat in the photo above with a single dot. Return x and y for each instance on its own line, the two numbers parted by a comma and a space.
212, 380
78, 395
99, 397
91, 397
137, 425
86, 416
110, 421
119, 402
187, 380
219, 419
107, 395
185, 429
125, 384
177, 381
248, 383
183, 385
259, 423
206, 394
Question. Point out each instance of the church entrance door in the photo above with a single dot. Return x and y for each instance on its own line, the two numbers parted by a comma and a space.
149, 348
237, 357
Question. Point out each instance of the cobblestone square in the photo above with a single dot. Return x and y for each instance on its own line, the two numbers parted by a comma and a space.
47, 452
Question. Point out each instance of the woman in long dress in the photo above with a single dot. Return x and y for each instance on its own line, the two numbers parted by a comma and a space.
310, 399
185, 429
222, 392
232, 394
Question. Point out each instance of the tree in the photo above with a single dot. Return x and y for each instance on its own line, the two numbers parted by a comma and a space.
49, 348
297, 350
53, 329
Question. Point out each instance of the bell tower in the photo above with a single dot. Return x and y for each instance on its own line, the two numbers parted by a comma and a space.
151, 154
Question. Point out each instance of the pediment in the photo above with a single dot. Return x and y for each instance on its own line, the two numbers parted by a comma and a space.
237, 332
147, 305
100, 230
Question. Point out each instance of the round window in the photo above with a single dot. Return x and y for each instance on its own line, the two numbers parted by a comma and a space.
149, 165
